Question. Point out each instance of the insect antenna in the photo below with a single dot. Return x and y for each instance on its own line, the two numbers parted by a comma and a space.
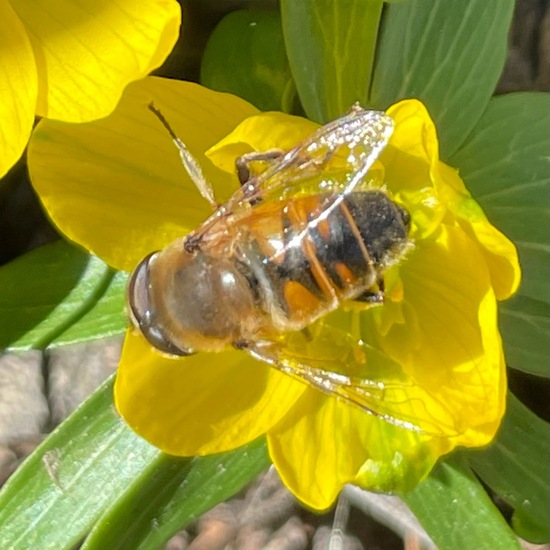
190, 163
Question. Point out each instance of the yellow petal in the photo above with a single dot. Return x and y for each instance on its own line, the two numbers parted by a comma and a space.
413, 148
117, 186
323, 443
202, 404
500, 253
18, 88
88, 52
260, 133
428, 188
410, 159
449, 344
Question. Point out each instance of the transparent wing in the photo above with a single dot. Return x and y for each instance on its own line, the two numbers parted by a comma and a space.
333, 162
345, 147
337, 364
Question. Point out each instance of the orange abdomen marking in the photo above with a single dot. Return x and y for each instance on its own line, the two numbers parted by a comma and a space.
305, 266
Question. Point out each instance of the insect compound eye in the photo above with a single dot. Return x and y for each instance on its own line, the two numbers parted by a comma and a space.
142, 312
138, 292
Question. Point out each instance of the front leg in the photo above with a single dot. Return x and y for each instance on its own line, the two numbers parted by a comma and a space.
373, 295
243, 162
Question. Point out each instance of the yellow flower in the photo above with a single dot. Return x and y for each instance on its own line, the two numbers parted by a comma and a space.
70, 59
437, 333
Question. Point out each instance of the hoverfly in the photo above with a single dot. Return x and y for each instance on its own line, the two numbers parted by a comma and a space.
296, 241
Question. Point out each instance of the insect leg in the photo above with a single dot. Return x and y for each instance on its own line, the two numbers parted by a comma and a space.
243, 162
373, 295
241, 344
192, 243
190, 163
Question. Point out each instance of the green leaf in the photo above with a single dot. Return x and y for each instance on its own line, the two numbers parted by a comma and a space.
72, 477
245, 55
93, 468
59, 293
525, 325
505, 165
515, 467
330, 47
105, 318
456, 511
527, 529
171, 494
448, 54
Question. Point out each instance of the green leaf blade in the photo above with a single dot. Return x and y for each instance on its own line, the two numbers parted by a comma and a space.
59, 293
65, 485
107, 317
505, 165
245, 56
525, 324
514, 466
330, 46
448, 54
94, 470
456, 511
174, 494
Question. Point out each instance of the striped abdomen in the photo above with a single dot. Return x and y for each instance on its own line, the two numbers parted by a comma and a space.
301, 268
